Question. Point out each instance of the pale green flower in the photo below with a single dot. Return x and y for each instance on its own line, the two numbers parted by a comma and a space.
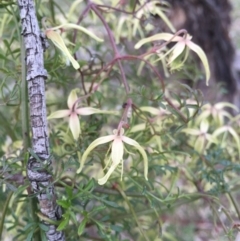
217, 112
73, 113
58, 41
129, 26
147, 8
225, 130
117, 151
181, 47
203, 138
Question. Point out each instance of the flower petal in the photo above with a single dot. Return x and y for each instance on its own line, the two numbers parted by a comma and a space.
202, 56
90, 111
204, 126
199, 144
73, 7
58, 41
139, 127
117, 150
191, 131
157, 37
104, 179
177, 50
116, 156
59, 114
236, 138
163, 16
74, 125
220, 131
87, 111
131, 142
152, 110
221, 105
72, 98
71, 25
95, 143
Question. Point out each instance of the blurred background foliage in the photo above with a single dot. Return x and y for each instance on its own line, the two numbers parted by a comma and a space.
193, 146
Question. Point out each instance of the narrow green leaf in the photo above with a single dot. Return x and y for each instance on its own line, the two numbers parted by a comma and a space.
69, 191
64, 203
73, 217
109, 203
99, 224
29, 237
64, 223
43, 227
89, 185
97, 209
3, 212
82, 226
28, 226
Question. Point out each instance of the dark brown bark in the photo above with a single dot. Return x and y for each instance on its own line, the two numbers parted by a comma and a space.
39, 163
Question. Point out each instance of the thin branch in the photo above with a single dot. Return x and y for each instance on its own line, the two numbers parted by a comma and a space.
234, 204
112, 41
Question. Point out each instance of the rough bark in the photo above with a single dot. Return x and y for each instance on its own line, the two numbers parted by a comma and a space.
38, 164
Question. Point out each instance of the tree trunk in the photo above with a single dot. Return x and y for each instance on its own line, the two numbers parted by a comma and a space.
39, 163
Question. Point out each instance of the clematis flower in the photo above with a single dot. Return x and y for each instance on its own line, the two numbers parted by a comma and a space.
203, 138
181, 47
57, 40
117, 151
73, 113
217, 112
226, 130
153, 8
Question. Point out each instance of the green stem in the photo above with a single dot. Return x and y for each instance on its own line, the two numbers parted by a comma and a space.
34, 208
51, 3
5, 125
132, 211
217, 214
48, 220
234, 204
4, 213
181, 201
113, 192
